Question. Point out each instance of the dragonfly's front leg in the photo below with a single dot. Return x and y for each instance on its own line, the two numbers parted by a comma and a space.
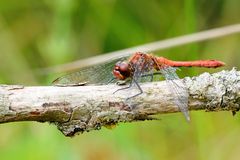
140, 89
138, 86
130, 85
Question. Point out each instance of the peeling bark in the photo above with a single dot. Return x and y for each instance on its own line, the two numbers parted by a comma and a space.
85, 108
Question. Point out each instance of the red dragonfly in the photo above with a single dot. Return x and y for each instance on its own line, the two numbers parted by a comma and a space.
140, 67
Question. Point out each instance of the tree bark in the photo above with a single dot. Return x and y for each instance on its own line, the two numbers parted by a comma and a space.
85, 108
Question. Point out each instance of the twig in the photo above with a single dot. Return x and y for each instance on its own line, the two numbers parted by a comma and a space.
149, 47
86, 108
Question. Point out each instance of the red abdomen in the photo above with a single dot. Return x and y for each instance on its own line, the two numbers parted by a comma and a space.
198, 63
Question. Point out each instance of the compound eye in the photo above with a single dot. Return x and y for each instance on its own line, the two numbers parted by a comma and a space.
121, 70
123, 67
117, 65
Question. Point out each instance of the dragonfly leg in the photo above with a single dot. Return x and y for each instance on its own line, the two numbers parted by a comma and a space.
124, 88
140, 89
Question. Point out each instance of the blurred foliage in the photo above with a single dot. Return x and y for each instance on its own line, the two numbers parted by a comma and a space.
38, 34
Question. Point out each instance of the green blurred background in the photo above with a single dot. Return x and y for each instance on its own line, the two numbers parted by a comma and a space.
39, 34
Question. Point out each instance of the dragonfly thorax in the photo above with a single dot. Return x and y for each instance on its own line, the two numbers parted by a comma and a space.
122, 70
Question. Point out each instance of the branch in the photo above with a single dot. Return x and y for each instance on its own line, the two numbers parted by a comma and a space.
86, 108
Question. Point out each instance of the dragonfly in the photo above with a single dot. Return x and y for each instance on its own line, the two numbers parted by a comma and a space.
140, 67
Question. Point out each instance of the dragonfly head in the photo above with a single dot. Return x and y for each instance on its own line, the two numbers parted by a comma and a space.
121, 70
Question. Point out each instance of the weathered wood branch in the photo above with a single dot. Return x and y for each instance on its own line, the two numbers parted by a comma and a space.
85, 108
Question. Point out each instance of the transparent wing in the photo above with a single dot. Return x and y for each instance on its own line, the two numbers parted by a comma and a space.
97, 74
178, 89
